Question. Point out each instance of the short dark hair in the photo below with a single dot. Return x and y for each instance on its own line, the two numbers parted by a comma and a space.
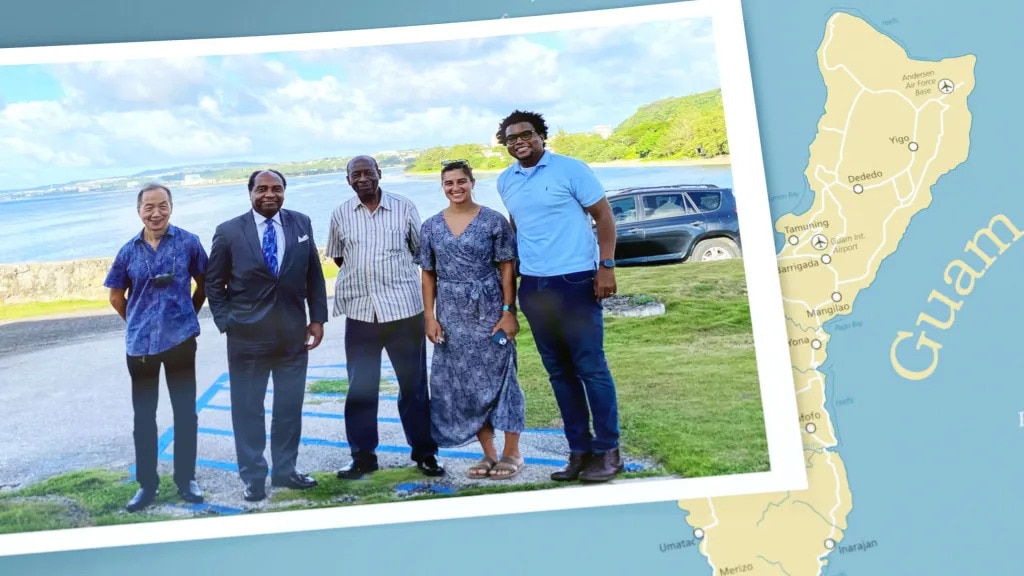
367, 157
153, 186
533, 118
252, 177
458, 165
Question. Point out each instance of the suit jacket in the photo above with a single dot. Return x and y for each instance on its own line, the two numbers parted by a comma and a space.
241, 290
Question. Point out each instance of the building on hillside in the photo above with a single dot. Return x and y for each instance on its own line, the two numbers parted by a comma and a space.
604, 130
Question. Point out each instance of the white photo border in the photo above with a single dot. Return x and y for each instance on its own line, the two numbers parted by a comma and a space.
778, 395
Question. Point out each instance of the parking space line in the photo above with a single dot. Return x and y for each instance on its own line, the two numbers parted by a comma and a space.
221, 384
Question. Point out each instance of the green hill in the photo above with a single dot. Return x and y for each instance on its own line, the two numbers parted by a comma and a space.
674, 128
481, 157
685, 127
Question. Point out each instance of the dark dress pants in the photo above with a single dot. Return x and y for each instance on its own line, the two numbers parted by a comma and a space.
270, 348
179, 365
405, 343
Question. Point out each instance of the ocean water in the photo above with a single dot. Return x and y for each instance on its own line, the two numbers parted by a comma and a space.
63, 227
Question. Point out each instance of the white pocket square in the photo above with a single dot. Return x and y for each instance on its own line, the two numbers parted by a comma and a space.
303, 238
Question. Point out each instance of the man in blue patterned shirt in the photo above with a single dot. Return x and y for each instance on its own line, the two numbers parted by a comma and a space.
150, 284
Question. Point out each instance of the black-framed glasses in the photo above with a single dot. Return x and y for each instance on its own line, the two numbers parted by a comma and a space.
165, 279
524, 136
459, 162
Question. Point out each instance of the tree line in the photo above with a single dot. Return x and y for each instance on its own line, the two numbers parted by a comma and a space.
684, 127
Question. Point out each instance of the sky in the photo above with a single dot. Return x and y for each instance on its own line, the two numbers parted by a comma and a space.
100, 119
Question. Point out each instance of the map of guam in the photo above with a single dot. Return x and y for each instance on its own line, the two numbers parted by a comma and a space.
892, 126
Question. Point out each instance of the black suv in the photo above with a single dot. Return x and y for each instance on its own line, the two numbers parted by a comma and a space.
675, 223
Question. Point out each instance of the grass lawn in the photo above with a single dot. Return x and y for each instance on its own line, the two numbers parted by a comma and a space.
687, 381
340, 386
74, 500
688, 398
97, 497
689, 395
27, 310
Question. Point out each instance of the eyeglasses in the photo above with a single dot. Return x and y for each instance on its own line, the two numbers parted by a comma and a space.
165, 279
524, 136
459, 162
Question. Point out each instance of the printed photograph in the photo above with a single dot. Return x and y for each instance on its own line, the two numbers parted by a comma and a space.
269, 281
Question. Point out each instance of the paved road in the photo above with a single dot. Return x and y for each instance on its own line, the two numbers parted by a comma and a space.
17, 337
65, 404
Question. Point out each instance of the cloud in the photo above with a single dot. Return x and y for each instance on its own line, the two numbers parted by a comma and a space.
128, 85
116, 116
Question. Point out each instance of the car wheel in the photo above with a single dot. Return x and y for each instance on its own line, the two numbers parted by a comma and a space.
715, 249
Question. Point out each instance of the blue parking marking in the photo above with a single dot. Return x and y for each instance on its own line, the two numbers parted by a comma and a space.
384, 448
221, 384
382, 419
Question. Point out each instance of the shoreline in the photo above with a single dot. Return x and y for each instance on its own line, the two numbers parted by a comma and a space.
684, 162
696, 162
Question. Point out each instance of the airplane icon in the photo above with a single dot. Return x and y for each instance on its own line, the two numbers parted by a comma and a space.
945, 86
819, 241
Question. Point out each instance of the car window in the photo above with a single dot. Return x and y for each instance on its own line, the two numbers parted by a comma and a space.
706, 201
665, 205
624, 210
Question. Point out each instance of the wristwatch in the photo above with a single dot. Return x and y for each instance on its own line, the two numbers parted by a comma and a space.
607, 263
508, 308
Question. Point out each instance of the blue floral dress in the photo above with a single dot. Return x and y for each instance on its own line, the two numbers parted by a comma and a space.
473, 380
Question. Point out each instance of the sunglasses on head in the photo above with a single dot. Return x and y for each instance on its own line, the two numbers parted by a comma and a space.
459, 162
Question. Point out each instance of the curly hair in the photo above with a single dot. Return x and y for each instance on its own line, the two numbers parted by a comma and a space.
533, 118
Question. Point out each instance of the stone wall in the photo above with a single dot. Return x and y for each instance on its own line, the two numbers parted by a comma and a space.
54, 281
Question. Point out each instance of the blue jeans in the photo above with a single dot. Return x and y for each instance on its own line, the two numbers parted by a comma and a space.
567, 323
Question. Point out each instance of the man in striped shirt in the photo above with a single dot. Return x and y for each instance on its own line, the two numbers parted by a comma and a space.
373, 238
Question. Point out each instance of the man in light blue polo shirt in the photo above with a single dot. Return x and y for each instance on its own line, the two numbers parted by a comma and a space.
565, 272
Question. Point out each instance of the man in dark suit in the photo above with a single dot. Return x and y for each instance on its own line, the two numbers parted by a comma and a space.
264, 271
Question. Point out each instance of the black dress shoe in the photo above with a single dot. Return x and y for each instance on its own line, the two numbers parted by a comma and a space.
144, 497
295, 481
355, 470
429, 466
191, 493
254, 491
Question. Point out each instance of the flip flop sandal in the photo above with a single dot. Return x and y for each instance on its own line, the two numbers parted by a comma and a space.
511, 465
481, 469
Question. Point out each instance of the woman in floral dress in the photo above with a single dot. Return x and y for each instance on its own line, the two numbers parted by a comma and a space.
467, 253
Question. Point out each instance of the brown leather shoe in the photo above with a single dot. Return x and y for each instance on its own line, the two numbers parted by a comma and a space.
572, 469
602, 467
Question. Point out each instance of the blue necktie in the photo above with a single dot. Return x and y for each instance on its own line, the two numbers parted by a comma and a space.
270, 247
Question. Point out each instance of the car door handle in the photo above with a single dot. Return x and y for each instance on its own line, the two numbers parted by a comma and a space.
635, 230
